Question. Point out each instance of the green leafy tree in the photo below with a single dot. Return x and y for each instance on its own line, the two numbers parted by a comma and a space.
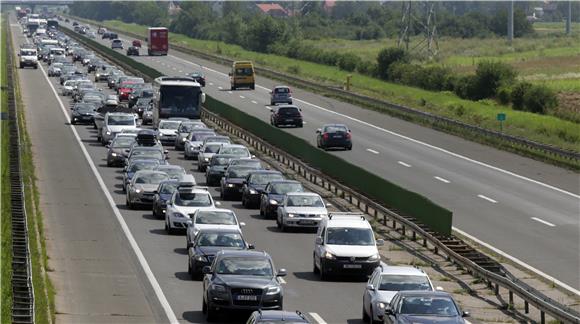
387, 57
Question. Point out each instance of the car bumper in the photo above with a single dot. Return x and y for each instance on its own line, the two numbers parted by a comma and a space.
142, 198
167, 139
83, 119
270, 210
346, 267
227, 301
289, 121
179, 223
234, 189
253, 199
302, 222
118, 160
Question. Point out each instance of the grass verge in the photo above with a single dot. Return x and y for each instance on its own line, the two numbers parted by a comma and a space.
6, 221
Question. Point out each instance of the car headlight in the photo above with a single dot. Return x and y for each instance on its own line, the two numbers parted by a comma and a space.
218, 288
374, 257
200, 258
329, 256
108, 133
273, 290
114, 154
291, 215
253, 192
381, 305
138, 190
178, 215
160, 134
206, 159
183, 139
273, 202
230, 185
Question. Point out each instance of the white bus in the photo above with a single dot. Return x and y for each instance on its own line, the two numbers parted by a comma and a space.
177, 97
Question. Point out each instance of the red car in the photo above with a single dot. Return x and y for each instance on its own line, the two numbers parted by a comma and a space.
125, 90
137, 43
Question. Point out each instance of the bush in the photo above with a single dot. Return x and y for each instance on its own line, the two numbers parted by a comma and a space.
539, 99
489, 76
517, 95
387, 57
366, 67
348, 62
466, 86
504, 94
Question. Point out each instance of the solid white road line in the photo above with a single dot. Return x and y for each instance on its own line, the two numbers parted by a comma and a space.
442, 179
487, 198
404, 164
142, 261
373, 151
229, 92
282, 281
254, 102
180, 71
242, 97
543, 221
317, 318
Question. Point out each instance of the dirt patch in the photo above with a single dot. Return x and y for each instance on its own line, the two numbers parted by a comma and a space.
569, 106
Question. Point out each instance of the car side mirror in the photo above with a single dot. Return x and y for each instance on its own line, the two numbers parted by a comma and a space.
389, 311
465, 314
251, 247
439, 288
165, 152
281, 273
230, 74
242, 224
318, 131
370, 287
108, 146
380, 242
318, 240
206, 270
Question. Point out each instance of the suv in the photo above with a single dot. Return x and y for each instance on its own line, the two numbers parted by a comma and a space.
286, 115
301, 209
241, 280
115, 123
186, 200
385, 282
117, 43
270, 317
280, 94
345, 244
28, 57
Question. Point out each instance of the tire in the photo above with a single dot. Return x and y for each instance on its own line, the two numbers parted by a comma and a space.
314, 267
21, 66
233, 87
278, 223
283, 228
349, 148
128, 203
261, 211
72, 122
36, 67
300, 125
323, 274
253, 86
244, 203
169, 230
211, 314
365, 317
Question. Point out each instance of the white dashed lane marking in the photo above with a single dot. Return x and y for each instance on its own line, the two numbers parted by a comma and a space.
254, 102
442, 179
407, 165
373, 151
487, 198
543, 221
242, 97
317, 318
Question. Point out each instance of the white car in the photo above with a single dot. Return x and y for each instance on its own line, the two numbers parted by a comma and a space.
167, 130
240, 151
116, 123
211, 218
186, 200
345, 244
206, 152
68, 87
301, 209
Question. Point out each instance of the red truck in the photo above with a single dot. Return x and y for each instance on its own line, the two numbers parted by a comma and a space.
157, 41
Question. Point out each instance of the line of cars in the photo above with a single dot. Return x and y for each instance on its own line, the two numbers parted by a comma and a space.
234, 274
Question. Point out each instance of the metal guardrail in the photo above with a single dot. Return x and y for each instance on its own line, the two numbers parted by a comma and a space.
22, 288
475, 266
498, 278
348, 96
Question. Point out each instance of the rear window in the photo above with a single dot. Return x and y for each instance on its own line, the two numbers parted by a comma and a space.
285, 110
336, 128
282, 90
244, 71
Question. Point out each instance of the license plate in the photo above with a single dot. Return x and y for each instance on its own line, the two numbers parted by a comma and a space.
337, 136
352, 266
289, 120
306, 222
247, 297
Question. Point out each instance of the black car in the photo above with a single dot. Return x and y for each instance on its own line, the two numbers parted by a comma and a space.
274, 193
162, 195
82, 113
231, 184
286, 115
255, 183
276, 316
75, 23
132, 50
118, 150
198, 77
207, 243
217, 168
424, 307
145, 93
334, 136
241, 280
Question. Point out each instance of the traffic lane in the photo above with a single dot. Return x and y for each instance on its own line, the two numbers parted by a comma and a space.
555, 176
413, 167
170, 270
93, 270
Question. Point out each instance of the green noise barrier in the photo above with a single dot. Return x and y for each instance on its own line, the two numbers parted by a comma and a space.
406, 202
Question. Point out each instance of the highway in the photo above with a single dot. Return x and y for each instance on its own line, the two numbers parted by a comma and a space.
524, 209
144, 267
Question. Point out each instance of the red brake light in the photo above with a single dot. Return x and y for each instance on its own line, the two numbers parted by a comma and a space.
348, 135
325, 136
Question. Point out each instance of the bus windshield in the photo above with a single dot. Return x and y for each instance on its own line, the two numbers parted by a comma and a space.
179, 101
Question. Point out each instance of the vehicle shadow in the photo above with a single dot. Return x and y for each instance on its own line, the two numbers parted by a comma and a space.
194, 316
182, 251
150, 216
183, 275
354, 321
273, 229
158, 231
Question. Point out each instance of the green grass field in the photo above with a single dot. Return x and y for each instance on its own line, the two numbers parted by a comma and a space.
6, 237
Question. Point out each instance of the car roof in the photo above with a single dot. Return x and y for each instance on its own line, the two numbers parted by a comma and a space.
283, 181
227, 229
222, 210
171, 166
269, 315
312, 194
243, 253
402, 271
336, 125
233, 145
425, 293
169, 181
140, 172
354, 220
265, 172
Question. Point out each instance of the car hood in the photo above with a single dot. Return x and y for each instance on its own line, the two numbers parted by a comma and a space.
195, 143
147, 187
416, 319
212, 250
306, 210
119, 128
235, 180
167, 131
219, 168
122, 151
190, 210
352, 250
257, 187
239, 281
385, 296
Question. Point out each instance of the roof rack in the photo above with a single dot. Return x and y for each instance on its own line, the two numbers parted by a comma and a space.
346, 215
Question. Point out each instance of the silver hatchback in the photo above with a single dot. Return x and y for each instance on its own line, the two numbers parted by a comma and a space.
280, 94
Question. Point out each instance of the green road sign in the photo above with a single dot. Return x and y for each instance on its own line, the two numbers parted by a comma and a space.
501, 116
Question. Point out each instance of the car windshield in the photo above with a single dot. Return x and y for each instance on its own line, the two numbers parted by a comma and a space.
239, 151
85, 108
121, 120
349, 236
169, 125
143, 166
239, 172
436, 306
27, 53
304, 201
392, 282
151, 178
220, 239
122, 142
245, 267
246, 162
168, 188
147, 154
284, 188
193, 199
212, 148
220, 161
244, 71
199, 137
335, 129
262, 179
288, 110
215, 218
174, 173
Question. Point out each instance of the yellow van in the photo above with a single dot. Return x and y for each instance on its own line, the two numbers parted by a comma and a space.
242, 75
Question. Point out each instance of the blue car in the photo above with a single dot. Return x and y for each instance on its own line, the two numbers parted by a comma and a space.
162, 195
274, 194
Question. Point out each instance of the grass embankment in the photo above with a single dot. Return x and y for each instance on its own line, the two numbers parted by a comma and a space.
545, 129
43, 289
6, 237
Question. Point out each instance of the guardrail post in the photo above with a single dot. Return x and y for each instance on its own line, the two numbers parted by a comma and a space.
511, 299
496, 289
526, 307
542, 317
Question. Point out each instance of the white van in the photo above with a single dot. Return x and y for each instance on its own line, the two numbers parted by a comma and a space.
345, 244
28, 57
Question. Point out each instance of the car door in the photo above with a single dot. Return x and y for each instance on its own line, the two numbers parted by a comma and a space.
265, 195
319, 248
369, 293
394, 307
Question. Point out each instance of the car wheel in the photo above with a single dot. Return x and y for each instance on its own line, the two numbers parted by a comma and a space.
168, 229
323, 274
365, 316
314, 267
261, 210
349, 148
211, 314
253, 87
278, 223
300, 125
72, 122
128, 203
283, 228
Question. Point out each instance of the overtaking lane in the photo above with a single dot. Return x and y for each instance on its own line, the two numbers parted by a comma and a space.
488, 204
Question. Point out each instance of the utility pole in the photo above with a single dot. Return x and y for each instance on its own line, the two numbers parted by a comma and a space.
510, 26
569, 19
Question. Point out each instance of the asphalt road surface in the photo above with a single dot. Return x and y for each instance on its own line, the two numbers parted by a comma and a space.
527, 210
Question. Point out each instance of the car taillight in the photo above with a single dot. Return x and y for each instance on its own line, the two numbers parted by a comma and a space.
325, 136
348, 135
